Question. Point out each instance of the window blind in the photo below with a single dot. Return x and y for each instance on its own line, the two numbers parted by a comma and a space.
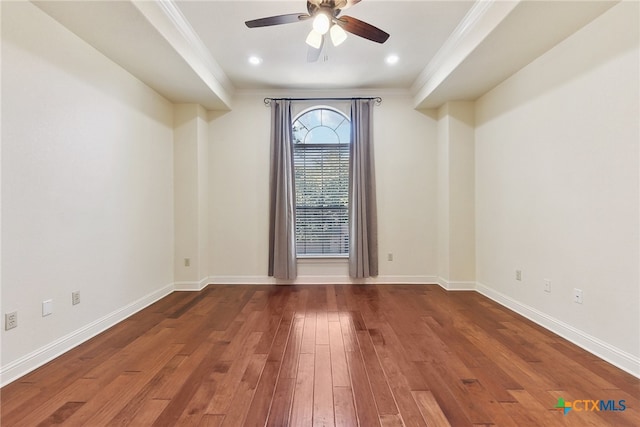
322, 189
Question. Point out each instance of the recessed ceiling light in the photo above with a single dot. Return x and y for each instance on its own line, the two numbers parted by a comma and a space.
392, 59
255, 60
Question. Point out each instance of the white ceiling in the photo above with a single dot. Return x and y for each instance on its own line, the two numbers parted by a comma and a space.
197, 51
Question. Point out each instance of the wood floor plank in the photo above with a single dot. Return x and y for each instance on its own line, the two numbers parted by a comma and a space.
397, 370
385, 401
281, 404
292, 351
101, 409
322, 328
92, 390
209, 420
344, 410
265, 389
229, 381
322, 388
391, 421
344, 355
22, 391
332, 302
348, 336
279, 342
339, 370
269, 331
430, 410
507, 358
145, 414
364, 400
309, 333
365, 404
302, 407
446, 398
79, 391
131, 410
241, 401
391, 351
196, 371
540, 414
185, 365
259, 409
62, 413
194, 409
239, 339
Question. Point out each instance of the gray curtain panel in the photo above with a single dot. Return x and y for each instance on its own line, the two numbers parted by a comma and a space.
363, 222
282, 207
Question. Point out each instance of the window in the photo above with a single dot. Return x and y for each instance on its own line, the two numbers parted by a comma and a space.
321, 162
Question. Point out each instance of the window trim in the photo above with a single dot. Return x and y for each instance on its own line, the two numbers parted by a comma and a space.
336, 257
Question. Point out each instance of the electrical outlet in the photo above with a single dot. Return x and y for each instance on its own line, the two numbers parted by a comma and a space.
390, 256
519, 275
577, 296
187, 262
547, 285
10, 320
75, 298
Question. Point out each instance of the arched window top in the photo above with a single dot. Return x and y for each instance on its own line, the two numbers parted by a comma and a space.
321, 125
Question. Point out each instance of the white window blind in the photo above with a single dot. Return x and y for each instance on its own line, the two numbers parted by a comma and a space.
321, 162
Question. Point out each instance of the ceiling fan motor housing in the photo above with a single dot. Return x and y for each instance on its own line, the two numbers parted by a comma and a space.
332, 7
329, 3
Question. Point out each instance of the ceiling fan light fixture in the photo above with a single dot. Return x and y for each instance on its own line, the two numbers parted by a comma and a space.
338, 35
314, 39
321, 23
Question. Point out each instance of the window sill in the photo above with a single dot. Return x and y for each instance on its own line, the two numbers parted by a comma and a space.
321, 258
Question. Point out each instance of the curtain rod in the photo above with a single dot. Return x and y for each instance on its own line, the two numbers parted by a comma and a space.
377, 99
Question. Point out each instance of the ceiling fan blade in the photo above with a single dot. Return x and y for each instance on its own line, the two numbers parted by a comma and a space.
277, 20
351, 3
362, 29
313, 54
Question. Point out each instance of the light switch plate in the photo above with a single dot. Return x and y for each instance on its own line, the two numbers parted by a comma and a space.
47, 307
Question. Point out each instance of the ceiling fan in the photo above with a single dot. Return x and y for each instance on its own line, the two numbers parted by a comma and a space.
326, 19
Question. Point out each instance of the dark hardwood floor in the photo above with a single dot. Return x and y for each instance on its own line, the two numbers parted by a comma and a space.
324, 355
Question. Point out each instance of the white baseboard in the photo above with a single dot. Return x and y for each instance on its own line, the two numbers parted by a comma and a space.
314, 280
241, 280
39, 357
191, 286
450, 285
623, 360
403, 280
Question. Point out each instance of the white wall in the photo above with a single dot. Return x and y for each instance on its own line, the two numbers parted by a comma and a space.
443, 194
462, 189
405, 150
87, 192
456, 195
557, 189
190, 178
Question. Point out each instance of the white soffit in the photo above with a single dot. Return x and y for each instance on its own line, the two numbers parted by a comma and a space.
494, 41
136, 34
